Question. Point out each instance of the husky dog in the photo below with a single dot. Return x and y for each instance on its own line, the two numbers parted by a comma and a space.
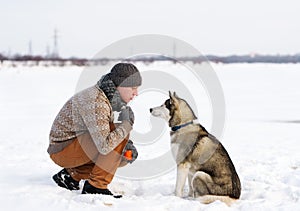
200, 157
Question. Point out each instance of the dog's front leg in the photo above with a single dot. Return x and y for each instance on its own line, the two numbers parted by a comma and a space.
182, 173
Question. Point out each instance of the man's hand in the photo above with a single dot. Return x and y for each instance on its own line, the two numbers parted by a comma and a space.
129, 153
126, 114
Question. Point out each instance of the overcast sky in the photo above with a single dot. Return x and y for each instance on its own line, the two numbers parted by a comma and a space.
221, 27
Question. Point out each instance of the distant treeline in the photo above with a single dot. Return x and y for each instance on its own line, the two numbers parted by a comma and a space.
256, 59
148, 59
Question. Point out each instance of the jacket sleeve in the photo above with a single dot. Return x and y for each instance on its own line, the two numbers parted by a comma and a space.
96, 116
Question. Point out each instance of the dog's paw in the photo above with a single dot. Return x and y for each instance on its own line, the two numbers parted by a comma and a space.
178, 194
191, 194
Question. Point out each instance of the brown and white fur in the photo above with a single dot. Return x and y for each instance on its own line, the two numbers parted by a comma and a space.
200, 157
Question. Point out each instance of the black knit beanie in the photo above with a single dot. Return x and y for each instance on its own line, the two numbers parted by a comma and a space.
125, 75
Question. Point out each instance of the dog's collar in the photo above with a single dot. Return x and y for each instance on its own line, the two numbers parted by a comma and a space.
177, 127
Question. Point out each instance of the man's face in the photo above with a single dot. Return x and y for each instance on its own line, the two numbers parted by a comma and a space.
127, 93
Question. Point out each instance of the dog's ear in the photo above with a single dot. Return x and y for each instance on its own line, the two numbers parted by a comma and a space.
175, 95
172, 97
170, 94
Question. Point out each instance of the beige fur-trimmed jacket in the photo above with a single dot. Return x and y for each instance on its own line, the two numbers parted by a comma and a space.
87, 111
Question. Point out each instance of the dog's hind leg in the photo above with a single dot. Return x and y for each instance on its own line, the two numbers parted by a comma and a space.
182, 173
203, 184
199, 184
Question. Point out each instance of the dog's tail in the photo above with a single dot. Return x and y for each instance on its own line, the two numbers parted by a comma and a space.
207, 199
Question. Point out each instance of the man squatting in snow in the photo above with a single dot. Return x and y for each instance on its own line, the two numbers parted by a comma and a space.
83, 138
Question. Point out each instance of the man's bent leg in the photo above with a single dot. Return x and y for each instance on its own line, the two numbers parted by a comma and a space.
106, 166
77, 158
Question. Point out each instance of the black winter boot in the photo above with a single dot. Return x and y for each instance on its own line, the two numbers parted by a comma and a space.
88, 188
64, 180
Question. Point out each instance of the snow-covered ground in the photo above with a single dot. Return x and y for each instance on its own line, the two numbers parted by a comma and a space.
261, 135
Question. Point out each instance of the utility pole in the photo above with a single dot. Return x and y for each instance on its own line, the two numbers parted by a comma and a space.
30, 48
55, 53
